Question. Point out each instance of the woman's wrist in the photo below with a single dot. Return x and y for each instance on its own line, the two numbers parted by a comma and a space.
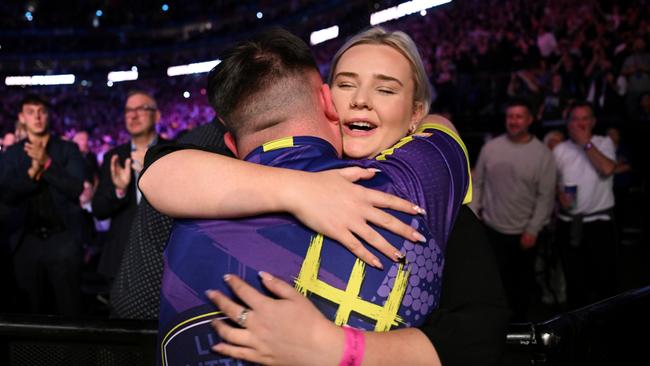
354, 347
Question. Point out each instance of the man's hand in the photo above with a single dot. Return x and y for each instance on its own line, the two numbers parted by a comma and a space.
527, 240
566, 200
35, 170
121, 175
87, 194
37, 152
580, 135
286, 331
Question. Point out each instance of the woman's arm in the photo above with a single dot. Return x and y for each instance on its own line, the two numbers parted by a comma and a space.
215, 186
289, 330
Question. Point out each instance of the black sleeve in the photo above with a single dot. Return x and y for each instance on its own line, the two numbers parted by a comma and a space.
208, 137
469, 327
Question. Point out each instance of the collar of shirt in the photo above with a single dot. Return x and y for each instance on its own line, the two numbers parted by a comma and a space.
304, 152
153, 142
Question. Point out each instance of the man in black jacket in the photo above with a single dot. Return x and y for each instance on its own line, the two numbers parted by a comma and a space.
42, 182
117, 196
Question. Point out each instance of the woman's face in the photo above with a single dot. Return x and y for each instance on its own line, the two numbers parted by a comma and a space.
372, 90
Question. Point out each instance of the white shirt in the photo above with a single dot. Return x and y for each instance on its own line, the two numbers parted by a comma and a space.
594, 192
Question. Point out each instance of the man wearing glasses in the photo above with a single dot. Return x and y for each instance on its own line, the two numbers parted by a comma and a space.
117, 196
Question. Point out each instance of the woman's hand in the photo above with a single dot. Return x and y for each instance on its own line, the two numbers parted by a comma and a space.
286, 331
331, 204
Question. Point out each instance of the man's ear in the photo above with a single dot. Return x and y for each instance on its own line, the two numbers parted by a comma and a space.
327, 104
229, 139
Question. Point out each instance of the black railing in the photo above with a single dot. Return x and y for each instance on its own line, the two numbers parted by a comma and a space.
611, 332
41, 340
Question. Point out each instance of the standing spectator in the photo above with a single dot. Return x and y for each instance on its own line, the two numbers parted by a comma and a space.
623, 179
586, 230
6, 273
644, 108
514, 187
636, 68
554, 102
85, 199
81, 138
117, 196
42, 183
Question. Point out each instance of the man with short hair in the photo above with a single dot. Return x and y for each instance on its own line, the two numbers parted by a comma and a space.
43, 180
117, 196
264, 90
586, 229
514, 190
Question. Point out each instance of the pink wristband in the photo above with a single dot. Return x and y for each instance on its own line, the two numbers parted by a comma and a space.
353, 348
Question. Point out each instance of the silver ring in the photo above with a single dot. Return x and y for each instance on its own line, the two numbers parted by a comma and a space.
241, 318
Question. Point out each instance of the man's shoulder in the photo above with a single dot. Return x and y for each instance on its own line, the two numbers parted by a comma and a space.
563, 147
63, 145
599, 139
163, 141
540, 147
206, 134
16, 148
497, 141
119, 149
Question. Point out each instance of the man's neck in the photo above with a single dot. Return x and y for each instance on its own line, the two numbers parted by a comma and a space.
38, 138
521, 139
143, 141
251, 141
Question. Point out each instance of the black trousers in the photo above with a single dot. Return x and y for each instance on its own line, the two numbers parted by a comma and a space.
516, 266
590, 264
51, 265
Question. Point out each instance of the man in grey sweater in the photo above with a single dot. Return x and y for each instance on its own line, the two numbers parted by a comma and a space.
514, 190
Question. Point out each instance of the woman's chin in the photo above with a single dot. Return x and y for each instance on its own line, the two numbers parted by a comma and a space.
357, 152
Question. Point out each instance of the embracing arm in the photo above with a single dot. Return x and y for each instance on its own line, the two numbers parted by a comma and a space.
215, 186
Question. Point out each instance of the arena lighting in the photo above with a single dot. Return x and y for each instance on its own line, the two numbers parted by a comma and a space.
117, 76
259, 15
63, 79
165, 7
195, 68
99, 13
404, 9
323, 35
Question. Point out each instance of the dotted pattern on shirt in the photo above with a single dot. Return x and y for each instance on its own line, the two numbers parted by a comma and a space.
136, 290
425, 261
